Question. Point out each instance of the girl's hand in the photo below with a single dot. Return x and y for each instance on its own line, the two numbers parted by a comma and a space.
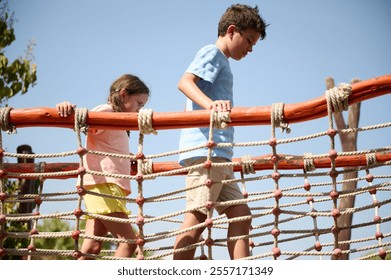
65, 108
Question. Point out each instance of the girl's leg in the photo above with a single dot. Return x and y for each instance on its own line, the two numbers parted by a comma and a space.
91, 246
189, 237
240, 248
122, 231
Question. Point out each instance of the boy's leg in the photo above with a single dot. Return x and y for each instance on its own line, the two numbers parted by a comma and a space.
240, 248
189, 237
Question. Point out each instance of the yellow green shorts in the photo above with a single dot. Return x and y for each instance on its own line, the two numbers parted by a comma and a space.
104, 205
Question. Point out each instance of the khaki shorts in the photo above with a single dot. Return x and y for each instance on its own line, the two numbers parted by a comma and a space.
218, 192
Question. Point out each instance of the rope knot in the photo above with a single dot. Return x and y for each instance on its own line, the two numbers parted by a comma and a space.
277, 117
145, 121
371, 159
145, 167
81, 120
247, 166
309, 164
338, 97
4, 117
220, 119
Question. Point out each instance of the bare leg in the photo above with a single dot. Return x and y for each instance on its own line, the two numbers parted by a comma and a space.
91, 246
122, 231
189, 237
240, 248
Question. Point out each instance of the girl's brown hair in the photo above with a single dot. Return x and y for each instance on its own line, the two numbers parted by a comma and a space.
132, 84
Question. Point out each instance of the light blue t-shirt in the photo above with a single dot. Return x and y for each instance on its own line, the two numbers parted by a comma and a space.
212, 66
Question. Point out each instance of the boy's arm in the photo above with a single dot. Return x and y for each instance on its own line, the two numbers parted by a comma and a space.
188, 86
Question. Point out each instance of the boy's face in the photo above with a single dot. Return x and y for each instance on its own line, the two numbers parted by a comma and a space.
242, 43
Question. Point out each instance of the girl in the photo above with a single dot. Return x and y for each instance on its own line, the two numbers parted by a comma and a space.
127, 94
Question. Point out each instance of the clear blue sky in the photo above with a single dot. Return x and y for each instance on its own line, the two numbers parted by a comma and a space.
82, 46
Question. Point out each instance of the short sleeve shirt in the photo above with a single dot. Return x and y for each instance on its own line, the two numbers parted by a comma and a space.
108, 141
216, 81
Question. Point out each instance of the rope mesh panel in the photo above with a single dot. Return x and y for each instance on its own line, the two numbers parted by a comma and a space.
294, 209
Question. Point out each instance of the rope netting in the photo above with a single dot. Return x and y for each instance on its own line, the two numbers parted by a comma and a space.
295, 200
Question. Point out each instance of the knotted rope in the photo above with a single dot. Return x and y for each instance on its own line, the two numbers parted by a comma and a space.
81, 119
338, 97
277, 117
145, 121
371, 159
309, 164
220, 119
4, 117
145, 167
247, 166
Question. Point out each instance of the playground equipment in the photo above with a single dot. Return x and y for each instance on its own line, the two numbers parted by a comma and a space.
294, 198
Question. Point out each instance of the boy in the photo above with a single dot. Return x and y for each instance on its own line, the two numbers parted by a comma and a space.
207, 84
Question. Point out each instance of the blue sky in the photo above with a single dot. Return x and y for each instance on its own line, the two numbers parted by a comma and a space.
82, 46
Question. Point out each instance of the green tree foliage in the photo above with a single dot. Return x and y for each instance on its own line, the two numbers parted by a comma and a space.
11, 208
53, 225
15, 76
18, 75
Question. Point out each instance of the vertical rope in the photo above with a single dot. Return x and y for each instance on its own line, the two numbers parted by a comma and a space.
140, 197
145, 127
34, 229
277, 120
337, 100
214, 123
247, 168
79, 127
309, 165
371, 160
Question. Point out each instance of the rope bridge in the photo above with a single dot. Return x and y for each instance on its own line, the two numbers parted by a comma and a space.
295, 200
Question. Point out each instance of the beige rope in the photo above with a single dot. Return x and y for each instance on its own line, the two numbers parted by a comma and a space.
248, 167
338, 97
277, 116
309, 164
220, 119
4, 120
371, 159
145, 122
80, 120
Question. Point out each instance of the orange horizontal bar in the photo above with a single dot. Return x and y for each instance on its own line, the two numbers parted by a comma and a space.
240, 116
286, 162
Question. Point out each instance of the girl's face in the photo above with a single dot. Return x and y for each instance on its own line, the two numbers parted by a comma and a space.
134, 102
242, 43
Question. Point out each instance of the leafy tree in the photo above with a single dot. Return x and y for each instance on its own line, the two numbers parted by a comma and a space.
18, 75
11, 208
53, 225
